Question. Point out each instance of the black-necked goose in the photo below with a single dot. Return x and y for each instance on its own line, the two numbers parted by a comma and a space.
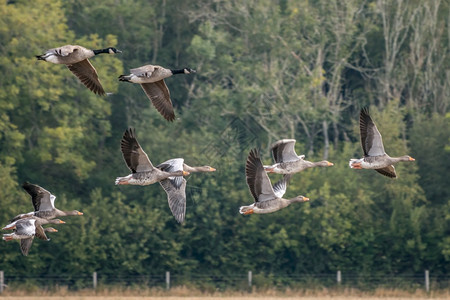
151, 79
374, 155
175, 186
26, 229
143, 172
44, 204
76, 58
268, 198
287, 161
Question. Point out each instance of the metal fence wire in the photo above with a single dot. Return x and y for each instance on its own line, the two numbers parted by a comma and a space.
241, 281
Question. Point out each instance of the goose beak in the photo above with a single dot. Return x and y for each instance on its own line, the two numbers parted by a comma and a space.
62, 222
186, 173
212, 169
118, 51
330, 164
80, 213
305, 199
411, 159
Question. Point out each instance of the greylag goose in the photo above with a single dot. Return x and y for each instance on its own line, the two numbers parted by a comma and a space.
26, 229
374, 155
175, 186
76, 58
151, 79
44, 204
287, 161
268, 198
143, 172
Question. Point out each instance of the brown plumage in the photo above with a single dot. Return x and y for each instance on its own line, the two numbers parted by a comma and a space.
76, 58
44, 204
372, 144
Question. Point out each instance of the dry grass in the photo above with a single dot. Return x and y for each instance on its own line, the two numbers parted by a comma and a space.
183, 293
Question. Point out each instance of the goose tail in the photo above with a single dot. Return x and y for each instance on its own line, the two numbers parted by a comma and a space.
354, 163
246, 210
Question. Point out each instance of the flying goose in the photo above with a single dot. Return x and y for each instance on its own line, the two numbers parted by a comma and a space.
143, 172
374, 155
151, 79
76, 58
175, 186
268, 198
287, 161
44, 204
26, 229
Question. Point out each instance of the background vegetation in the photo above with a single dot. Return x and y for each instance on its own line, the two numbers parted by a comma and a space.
267, 70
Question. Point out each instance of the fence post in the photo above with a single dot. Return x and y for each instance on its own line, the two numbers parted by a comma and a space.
250, 279
94, 280
338, 277
427, 280
2, 281
167, 280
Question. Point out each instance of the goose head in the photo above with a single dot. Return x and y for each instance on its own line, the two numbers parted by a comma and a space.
300, 199
207, 169
189, 71
112, 50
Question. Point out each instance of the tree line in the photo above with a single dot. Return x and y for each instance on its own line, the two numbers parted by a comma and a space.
265, 71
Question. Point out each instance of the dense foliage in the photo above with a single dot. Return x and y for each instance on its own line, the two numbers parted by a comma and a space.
267, 70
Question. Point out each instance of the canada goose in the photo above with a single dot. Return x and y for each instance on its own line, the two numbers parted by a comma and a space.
151, 79
77, 60
268, 198
175, 186
374, 155
143, 172
44, 204
26, 229
287, 161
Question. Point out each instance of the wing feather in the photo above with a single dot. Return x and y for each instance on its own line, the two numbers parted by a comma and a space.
176, 196
257, 180
159, 95
388, 171
87, 74
371, 140
135, 158
284, 150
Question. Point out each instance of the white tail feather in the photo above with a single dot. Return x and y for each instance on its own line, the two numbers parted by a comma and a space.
353, 161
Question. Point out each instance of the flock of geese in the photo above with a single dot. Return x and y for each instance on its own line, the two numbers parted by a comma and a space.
170, 174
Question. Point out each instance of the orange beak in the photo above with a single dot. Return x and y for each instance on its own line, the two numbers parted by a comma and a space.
186, 173
411, 159
212, 169
305, 199
62, 222
330, 164
80, 213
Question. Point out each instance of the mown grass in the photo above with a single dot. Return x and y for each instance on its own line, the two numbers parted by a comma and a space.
184, 293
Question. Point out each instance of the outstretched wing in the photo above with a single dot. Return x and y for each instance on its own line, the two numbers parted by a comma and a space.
176, 196
283, 151
25, 245
42, 199
175, 187
173, 165
136, 159
87, 74
159, 95
388, 171
280, 186
257, 180
371, 140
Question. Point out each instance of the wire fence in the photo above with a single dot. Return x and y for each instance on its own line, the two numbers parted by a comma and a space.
242, 281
